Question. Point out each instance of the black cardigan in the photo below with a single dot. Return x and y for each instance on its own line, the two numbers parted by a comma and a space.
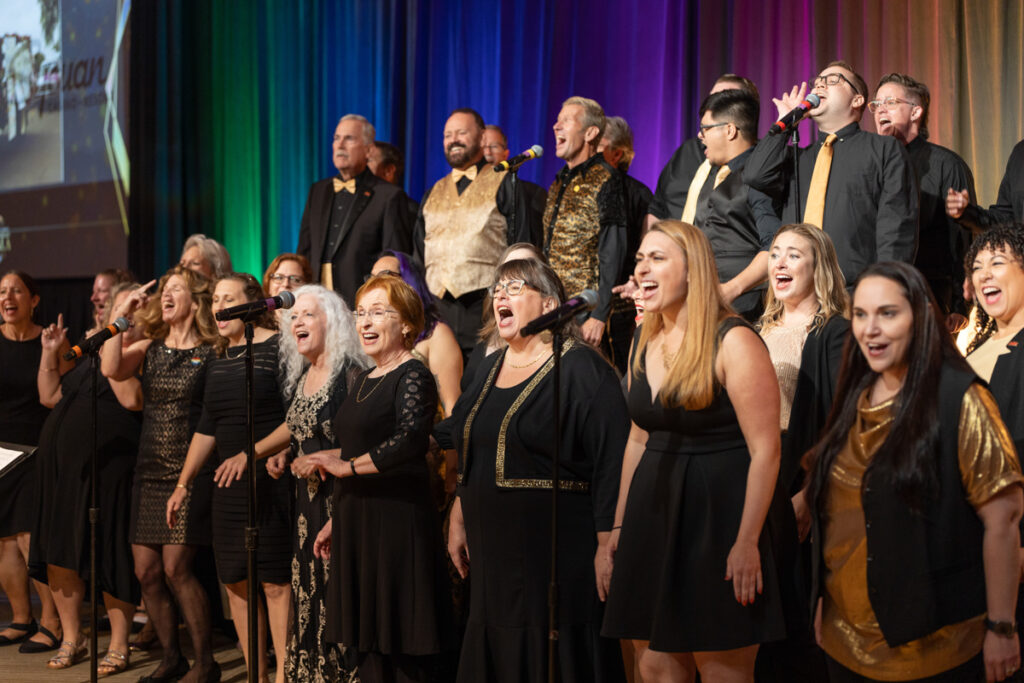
1007, 386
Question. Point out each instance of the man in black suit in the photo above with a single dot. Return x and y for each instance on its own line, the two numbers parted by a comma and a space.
352, 217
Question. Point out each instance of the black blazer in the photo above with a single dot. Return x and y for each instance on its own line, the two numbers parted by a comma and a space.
378, 220
1007, 387
812, 400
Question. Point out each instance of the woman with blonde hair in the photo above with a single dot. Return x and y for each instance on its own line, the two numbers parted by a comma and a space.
172, 359
695, 585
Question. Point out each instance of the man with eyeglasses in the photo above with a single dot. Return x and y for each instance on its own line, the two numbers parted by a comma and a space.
858, 187
352, 217
900, 109
465, 224
738, 220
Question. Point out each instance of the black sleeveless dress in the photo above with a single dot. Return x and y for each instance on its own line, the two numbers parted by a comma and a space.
681, 519
224, 418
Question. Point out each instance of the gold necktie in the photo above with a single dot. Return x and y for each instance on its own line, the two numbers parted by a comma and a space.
327, 275
699, 178
347, 185
722, 174
814, 213
470, 173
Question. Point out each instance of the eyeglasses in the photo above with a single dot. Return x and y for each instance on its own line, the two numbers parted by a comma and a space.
704, 127
511, 287
376, 316
382, 273
887, 104
292, 279
834, 79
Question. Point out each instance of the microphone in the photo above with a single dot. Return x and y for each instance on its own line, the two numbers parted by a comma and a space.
252, 310
584, 301
94, 342
520, 159
794, 117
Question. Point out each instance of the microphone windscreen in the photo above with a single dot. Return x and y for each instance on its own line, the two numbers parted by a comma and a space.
590, 296
537, 150
287, 299
122, 324
812, 100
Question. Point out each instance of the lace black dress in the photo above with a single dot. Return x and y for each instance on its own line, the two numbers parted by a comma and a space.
389, 591
224, 418
173, 382
61, 534
311, 656
681, 519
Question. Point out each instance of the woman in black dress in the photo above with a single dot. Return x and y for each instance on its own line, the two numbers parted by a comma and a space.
172, 360
223, 427
320, 356
500, 530
695, 583
60, 540
388, 589
21, 421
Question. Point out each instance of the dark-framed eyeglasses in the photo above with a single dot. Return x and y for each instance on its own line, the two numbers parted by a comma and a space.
292, 279
834, 79
704, 127
511, 287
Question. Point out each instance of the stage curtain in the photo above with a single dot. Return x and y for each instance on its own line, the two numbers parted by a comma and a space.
235, 104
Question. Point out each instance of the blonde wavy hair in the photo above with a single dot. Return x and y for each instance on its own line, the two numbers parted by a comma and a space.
690, 381
150, 317
829, 283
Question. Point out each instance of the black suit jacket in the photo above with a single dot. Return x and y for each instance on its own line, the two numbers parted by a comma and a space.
378, 220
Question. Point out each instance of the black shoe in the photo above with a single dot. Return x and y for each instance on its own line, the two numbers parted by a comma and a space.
179, 670
29, 629
30, 646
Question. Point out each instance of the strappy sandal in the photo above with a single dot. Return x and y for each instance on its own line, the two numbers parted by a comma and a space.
29, 629
113, 662
69, 654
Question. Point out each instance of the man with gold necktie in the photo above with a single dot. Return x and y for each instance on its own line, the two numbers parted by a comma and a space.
859, 187
738, 220
464, 226
352, 217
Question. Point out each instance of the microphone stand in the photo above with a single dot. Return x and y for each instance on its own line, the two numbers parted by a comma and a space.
555, 485
251, 532
94, 518
513, 184
794, 137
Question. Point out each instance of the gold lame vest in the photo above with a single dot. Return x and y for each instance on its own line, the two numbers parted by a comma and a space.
463, 235
572, 242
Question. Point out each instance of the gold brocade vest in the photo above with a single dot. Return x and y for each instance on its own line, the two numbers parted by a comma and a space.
571, 243
463, 235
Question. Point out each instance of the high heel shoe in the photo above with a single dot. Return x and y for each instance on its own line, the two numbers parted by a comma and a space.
170, 676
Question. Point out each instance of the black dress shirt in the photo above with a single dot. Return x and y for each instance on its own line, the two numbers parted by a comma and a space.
942, 243
528, 227
871, 205
638, 201
674, 181
1009, 206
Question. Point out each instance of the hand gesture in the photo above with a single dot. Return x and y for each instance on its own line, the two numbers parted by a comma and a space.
743, 568
956, 202
133, 302
627, 290
231, 470
302, 467
789, 100
54, 335
276, 464
174, 504
328, 464
322, 544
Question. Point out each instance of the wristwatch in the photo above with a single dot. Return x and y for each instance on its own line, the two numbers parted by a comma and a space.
1001, 628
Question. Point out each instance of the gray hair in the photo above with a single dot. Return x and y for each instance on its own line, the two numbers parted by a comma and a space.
620, 136
213, 251
341, 342
369, 132
593, 114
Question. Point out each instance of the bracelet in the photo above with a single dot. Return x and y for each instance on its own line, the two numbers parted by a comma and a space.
180, 486
352, 466
1001, 628
616, 527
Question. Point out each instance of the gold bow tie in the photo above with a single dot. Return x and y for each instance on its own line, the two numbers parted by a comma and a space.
347, 185
470, 173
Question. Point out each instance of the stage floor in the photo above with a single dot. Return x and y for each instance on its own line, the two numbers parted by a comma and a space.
31, 668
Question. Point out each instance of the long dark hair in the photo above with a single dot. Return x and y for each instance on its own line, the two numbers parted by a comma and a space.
410, 271
906, 458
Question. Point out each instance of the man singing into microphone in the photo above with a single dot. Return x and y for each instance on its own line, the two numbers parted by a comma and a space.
858, 187
585, 219
463, 227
